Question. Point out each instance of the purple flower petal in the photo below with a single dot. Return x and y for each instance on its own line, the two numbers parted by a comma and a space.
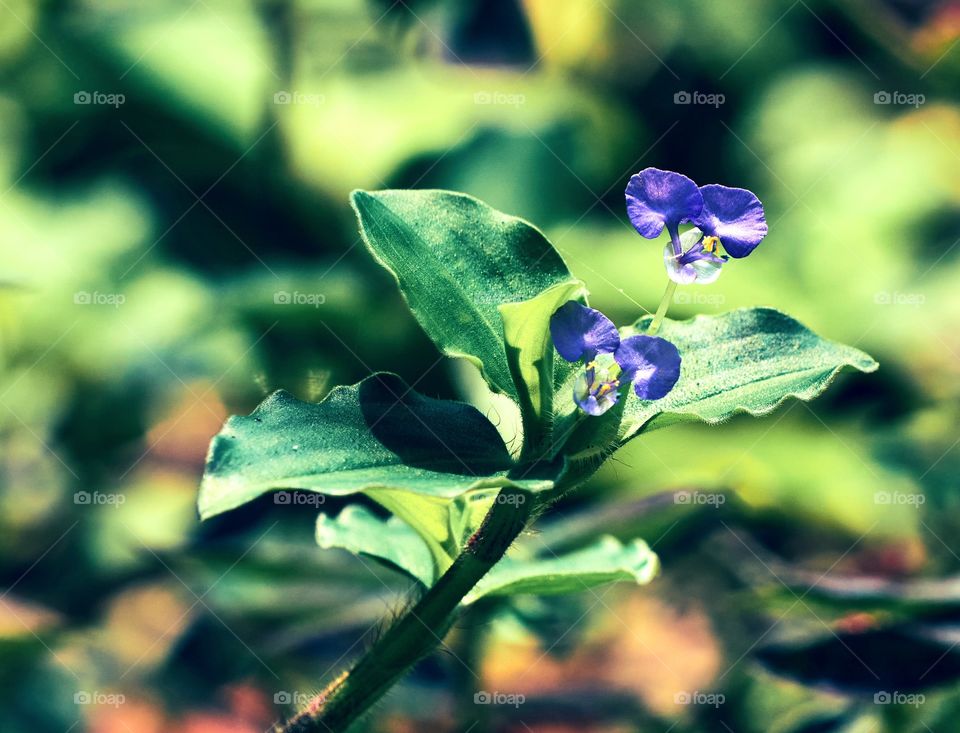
580, 332
652, 363
735, 215
658, 199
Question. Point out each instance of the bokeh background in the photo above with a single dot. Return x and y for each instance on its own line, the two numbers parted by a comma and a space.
176, 242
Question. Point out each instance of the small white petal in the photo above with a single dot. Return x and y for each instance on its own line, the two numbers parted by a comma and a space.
681, 274
706, 270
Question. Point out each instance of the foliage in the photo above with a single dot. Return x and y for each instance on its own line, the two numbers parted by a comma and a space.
541, 110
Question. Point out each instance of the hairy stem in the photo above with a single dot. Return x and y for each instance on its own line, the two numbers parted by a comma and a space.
420, 630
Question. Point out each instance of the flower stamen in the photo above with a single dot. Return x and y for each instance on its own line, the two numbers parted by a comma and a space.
711, 244
608, 387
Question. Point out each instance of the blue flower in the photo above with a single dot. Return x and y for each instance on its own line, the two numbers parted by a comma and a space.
734, 216
731, 218
650, 363
658, 199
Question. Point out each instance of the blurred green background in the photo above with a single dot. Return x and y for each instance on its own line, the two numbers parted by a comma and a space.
176, 242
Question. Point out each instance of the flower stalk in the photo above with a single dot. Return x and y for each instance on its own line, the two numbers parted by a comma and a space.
421, 629
662, 308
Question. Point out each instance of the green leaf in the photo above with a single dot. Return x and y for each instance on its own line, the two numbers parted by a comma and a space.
377, 434
606, 561
530, 354
443, 524
422, 539
749, 360
456, 260
389, 540
395, 543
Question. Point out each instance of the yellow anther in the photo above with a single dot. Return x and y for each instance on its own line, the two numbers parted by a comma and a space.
711, 244
608, 387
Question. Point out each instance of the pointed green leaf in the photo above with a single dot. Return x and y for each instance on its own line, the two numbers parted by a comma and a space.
376, 434
444, 524
749, 360
410, 540
389, 540
606, 561
397, 544
456, 260
530, 354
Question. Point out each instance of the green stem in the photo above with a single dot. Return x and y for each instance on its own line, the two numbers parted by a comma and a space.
662, 308
419, 631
